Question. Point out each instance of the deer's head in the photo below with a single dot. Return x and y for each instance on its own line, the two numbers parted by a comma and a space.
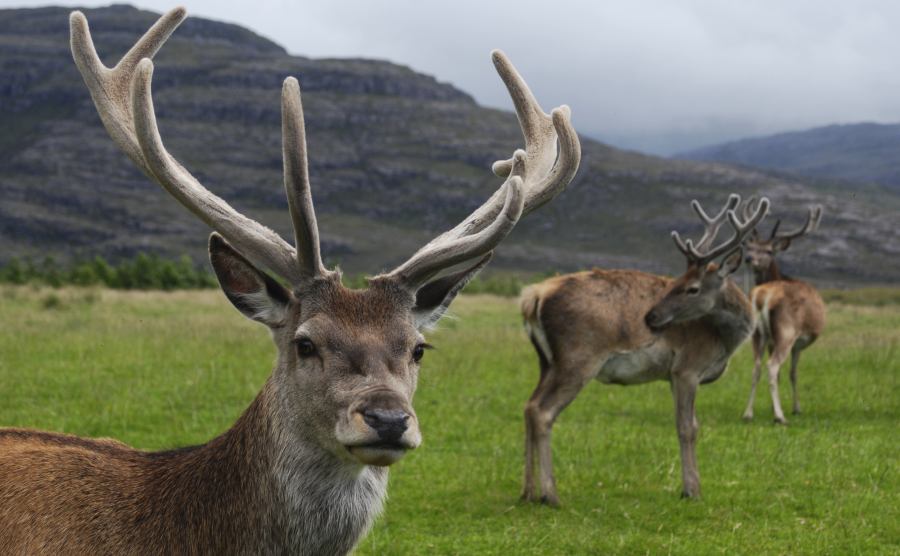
761, 251
698, 292
348, 360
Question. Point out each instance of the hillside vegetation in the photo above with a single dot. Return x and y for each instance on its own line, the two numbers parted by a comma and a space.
396, 156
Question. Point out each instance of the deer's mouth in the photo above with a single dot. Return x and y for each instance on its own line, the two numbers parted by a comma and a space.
381, 453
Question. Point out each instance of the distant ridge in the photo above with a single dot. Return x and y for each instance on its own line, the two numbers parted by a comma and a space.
864, 152
395, 156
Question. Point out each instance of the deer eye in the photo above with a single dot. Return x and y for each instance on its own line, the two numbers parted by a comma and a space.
693, 290
305, 347
419, 352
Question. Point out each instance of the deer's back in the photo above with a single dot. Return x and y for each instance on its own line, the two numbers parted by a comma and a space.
792, 305
66, 494
601, 308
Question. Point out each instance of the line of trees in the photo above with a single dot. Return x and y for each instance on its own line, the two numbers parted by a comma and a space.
146, 272
151, 272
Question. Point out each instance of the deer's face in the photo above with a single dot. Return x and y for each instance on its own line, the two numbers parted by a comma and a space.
348, 360
693, 295
348, 367
760, 254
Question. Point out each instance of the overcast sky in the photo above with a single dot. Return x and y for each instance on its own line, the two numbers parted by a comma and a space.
653, 75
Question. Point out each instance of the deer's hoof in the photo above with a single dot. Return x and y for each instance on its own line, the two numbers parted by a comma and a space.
747, 417
780, 421
550, 500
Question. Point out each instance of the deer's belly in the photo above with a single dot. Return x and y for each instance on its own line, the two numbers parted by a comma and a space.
636, 367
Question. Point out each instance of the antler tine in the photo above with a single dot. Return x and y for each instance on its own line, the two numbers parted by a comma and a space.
431, 259
747, 207
122, 96
676, 237
813, 217
110, 88
543, 171
712, 225
550, 170
296, 181
774, 231
256, 242
741, 229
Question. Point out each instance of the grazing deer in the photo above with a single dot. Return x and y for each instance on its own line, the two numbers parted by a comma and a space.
304, 468
790, 313
630, 327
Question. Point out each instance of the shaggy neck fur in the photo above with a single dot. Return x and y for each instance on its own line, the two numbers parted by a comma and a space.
259, 489
733, 318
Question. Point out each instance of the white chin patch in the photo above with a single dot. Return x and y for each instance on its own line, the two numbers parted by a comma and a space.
377, 455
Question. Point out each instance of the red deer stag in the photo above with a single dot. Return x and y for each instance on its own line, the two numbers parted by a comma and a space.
303, 470
630, 327
790, 313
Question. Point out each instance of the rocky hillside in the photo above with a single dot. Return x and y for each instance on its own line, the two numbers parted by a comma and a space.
396, 157
864, 152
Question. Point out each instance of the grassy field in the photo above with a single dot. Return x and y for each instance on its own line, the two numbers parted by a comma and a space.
159, 370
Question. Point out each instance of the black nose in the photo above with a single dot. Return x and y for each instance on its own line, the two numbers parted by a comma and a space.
390, 424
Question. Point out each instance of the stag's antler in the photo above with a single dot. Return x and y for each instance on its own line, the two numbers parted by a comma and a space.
696, 255
122, 95
712, 225
534, 177
813, 218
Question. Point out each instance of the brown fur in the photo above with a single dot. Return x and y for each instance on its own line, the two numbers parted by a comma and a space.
791, 316
582, 322
65, 494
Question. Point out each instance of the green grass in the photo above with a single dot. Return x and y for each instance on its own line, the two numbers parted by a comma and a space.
159, 370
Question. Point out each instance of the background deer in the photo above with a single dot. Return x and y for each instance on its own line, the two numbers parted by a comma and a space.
790, 313
630, 327
304, 468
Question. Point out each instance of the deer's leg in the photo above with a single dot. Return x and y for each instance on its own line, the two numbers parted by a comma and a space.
684, 391
779, 354
759, 348
558, 391
795, 358
531, 414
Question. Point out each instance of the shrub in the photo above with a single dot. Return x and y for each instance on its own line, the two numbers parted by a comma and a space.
142, 272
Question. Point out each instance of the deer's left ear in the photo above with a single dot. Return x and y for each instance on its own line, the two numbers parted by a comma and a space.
433, 299
781, 244
731, 262
252, 292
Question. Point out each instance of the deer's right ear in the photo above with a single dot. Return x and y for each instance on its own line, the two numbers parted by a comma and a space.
254, 293
433, 299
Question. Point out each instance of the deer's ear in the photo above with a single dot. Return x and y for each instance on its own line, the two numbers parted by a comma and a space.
731, 262
781, 244
253, 293
433, 299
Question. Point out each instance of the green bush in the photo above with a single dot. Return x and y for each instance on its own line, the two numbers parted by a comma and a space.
147, 272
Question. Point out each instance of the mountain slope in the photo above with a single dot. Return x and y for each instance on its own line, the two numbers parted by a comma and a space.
863, 152
395, 158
